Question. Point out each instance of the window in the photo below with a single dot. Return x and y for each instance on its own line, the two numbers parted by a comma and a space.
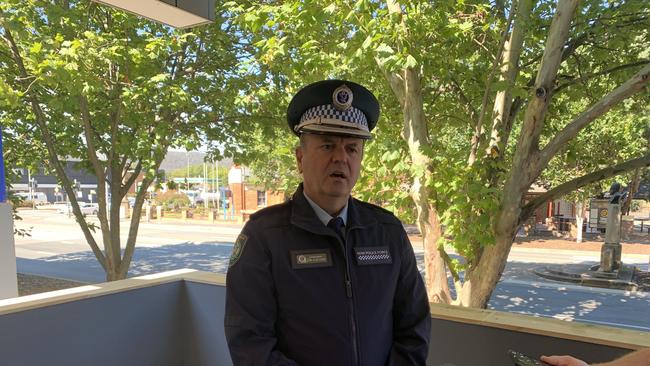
261, 198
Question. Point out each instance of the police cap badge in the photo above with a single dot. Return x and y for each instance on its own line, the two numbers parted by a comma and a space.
333, 107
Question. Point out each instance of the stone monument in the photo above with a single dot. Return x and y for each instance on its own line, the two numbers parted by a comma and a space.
610, 253
610, 272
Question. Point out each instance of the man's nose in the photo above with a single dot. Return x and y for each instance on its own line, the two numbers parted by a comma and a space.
339, 154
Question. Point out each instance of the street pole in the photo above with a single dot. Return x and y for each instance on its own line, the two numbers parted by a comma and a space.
187, 175
33, 190
29, 187
206, 201
215, 187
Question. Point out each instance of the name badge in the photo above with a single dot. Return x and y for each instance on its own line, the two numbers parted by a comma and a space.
372, 255
312, 258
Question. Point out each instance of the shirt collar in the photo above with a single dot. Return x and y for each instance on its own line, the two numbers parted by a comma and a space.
323, 216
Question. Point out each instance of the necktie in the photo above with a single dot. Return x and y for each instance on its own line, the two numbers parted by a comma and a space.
337, 225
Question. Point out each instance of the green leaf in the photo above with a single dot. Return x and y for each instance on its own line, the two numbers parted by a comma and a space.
385, 49
36, 48
159, 78
410, 62
330, 9
367, 42
465, 26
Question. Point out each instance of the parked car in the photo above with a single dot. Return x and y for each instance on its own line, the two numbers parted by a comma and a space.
85, 207
195, 197
39, 198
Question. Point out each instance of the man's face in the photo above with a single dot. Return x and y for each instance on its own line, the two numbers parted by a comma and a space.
329, 165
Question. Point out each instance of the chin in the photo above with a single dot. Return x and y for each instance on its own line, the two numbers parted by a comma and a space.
338, 192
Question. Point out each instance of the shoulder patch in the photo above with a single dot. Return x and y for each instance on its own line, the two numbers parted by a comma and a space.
237, 249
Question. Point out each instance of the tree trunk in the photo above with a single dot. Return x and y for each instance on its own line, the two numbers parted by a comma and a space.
434, 264
580, 218
112, 274
416, 135
481, 280
634, 187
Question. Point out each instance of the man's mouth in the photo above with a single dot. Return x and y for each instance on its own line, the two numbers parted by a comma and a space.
337, 174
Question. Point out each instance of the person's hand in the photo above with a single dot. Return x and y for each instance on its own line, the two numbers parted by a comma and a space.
563, 361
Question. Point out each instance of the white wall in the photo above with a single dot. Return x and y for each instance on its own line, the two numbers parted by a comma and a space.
8, 281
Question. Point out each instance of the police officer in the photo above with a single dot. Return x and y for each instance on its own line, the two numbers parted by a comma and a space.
325, 279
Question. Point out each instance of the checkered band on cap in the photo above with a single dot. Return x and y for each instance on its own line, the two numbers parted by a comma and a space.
328, 111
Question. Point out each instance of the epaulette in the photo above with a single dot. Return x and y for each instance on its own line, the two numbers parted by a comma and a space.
270, 210
387, 216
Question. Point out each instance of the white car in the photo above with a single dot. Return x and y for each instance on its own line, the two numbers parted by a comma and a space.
39, 198
195, 197
86, 208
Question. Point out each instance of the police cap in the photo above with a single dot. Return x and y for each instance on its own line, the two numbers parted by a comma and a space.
333, 107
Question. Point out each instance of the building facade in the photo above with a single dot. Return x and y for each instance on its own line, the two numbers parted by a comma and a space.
247, 198
48, 183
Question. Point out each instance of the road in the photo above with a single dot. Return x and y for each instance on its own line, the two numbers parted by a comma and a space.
55, 234
57, 248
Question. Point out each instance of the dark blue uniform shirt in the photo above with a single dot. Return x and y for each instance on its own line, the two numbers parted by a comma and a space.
299, 295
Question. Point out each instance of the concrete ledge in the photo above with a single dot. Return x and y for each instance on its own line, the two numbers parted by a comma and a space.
176, 318
583, 332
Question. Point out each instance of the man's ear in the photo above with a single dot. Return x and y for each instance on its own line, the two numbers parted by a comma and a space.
299, 158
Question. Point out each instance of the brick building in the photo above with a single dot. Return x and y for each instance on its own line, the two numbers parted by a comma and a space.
248, 198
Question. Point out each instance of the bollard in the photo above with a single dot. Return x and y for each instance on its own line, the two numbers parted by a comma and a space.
147, 213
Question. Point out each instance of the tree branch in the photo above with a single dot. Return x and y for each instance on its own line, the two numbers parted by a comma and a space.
635, 84
525, 167
449, 263
99, 172
479, 130
88, 133
395, 81
129, 182
574, 184
114, 118
49, 144
500, 8
501, 121
466, 102
605, 72
135, 218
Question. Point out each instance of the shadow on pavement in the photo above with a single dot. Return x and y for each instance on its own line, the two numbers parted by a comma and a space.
520, 290
83, 266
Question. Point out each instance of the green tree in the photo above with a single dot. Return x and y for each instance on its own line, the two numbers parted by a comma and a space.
488, 94
89, 82
198, 171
